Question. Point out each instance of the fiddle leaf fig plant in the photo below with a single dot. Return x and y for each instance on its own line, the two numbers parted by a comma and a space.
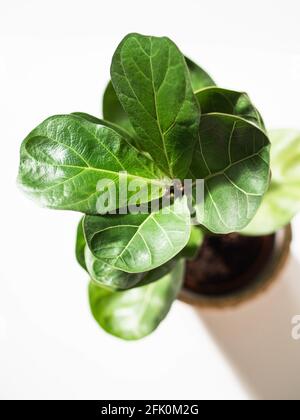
164, 122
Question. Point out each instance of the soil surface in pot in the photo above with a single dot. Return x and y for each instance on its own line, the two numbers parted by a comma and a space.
227, 263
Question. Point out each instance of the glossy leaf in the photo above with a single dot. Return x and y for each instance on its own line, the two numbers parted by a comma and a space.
108, 276
111, 278
123, 133
282, 201
101, 273
215, 99
139, 242
114, 112
135, 313
65, 157
232, 157
151, 80
199, 78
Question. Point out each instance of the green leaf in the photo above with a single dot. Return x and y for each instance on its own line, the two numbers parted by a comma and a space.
114, 112
138, 243
199, 78
232, 157
65, 157
107, 276
80, 245
151, 80
135, 313
215, 99
192, 248
110, 278
282, 201
94, 120
159, 272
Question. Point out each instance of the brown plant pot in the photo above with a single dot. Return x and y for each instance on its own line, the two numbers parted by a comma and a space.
232, 269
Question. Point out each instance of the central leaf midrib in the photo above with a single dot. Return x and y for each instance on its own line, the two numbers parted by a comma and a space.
156, 112
92, 168
141, 104
134, 236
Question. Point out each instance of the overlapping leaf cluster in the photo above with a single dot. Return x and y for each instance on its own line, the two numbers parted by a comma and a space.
163, 119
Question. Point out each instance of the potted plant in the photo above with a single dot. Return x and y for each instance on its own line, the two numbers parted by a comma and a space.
146, 232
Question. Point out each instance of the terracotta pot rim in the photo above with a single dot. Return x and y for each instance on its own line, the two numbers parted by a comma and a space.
267, 277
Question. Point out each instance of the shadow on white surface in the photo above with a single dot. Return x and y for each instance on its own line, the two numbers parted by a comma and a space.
257, 339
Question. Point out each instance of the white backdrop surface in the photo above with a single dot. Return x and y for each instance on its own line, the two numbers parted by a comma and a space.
54, 58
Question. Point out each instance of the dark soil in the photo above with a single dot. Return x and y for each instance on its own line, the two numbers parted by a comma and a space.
227, 263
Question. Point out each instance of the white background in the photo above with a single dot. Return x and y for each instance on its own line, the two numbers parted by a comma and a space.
54, 58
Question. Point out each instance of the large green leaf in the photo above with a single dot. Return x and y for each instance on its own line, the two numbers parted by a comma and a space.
282, 201
151, 80
114, 112
111, 278
135, 313
139, 242
199, 78
65, 157
232, 157
215, 99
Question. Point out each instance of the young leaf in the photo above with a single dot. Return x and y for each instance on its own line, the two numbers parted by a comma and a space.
114, 112
138, 243
65, 157
80, 245
135, 313
232, 157
151, 80
215, 99
282, 201
199, 78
